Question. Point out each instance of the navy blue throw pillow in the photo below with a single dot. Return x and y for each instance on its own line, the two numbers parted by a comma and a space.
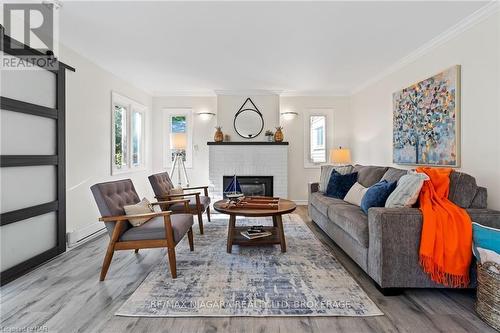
339, 185
377, 195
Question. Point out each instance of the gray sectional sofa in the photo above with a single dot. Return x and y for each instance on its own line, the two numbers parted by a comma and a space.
385, 243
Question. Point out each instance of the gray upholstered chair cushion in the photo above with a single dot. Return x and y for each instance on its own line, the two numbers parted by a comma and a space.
393, 174
369, 175
155, 228
161, 184
110, 198
463, 189
321, 202
179, 207
352, 220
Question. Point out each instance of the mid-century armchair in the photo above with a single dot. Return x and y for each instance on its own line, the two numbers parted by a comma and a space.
162, 185
163, 230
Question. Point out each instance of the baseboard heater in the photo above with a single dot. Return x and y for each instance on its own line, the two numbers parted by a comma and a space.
84, 234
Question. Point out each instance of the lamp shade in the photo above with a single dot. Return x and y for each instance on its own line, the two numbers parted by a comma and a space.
340, 156
178, 141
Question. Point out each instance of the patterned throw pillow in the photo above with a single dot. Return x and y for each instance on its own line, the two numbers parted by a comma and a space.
356, 194
339, 185
326, 172
407, 192
377, 195
143, 207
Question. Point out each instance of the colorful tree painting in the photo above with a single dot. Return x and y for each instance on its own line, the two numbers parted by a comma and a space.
425, 121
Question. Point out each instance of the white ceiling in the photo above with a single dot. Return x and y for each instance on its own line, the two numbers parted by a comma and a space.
329, 47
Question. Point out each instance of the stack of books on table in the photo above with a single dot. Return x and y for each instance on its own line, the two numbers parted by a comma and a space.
256, 231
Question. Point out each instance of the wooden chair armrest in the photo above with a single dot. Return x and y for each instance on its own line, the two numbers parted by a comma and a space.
205, 189
126, 217
169, 202
179, 195
195, 188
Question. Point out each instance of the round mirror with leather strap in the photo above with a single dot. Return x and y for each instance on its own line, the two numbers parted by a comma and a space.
248, 121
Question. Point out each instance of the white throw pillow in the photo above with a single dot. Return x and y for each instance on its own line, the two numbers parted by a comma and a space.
407, 192
326, 172
356, 194
143, 207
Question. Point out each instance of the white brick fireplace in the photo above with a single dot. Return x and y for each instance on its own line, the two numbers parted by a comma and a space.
249, 159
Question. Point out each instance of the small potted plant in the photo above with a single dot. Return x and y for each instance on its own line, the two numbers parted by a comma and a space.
270, 135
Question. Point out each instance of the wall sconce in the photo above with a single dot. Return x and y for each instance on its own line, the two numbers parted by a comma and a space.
289, 115
205, 115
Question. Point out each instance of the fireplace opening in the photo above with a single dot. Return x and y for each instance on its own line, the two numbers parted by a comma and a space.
252, 185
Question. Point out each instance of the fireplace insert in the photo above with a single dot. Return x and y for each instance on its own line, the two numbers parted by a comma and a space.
252, 185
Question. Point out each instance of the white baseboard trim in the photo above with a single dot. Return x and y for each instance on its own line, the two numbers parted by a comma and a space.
84, 234
300, 202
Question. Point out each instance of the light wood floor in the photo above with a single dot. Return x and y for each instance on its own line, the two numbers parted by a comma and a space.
65, 295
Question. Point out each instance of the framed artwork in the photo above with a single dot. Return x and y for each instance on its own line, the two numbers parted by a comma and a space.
426, 121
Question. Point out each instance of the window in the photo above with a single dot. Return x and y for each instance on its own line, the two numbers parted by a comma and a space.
177, 125
136, 126
318, 137
317, 148
128, 139
120, 114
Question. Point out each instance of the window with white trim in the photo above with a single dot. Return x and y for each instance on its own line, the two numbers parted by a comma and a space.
177, 121
128, 135
317, 147
318, 136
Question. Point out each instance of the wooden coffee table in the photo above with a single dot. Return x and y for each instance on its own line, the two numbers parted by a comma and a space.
234, 233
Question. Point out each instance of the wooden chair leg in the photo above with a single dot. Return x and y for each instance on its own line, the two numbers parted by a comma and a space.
111, 249
199, 211
136, 251
107, 260
190, 239
200, 222
169, 235
172, 261
208, 214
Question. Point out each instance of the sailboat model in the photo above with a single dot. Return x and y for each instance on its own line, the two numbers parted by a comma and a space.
233, 191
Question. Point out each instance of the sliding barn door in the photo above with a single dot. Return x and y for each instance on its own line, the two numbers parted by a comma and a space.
32, 173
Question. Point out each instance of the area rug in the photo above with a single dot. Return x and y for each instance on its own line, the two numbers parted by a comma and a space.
307, 280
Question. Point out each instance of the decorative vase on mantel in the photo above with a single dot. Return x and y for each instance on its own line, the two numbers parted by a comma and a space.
219, 136
278, 135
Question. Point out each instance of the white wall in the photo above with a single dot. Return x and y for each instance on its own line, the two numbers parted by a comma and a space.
203, 131
298, 175
477, 51
228, 105
88, 138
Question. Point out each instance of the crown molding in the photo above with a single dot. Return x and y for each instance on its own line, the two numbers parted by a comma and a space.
251, 92
468, 22
184, 93
315, 93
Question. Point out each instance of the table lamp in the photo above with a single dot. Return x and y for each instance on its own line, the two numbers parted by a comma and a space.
340, 156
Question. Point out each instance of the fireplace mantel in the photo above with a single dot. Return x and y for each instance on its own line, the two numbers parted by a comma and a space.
247, 143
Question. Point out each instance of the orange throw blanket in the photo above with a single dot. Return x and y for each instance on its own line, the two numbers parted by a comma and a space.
446, 240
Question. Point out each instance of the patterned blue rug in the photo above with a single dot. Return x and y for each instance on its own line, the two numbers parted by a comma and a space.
307, 280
